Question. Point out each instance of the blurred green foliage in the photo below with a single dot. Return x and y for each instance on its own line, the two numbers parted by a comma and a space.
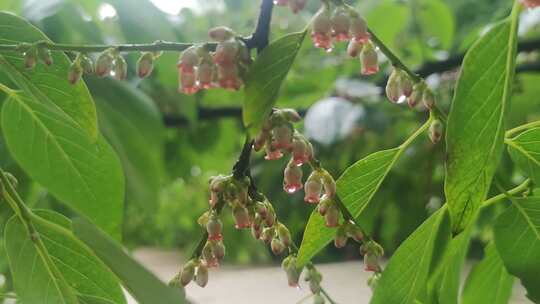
167, 169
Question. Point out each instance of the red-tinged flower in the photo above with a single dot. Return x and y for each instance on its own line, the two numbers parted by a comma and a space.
45, 55
208, 256
324, 204
292, 180
354, 48
313, 188
359, 29
205, 75
332, 216
297, 5
261, 209
241, 217
214, 227
371, 262
272, 153
340, 240
282, 136
340, 22
188, 60
227, 52
302, 151
392, 86
321, 31
277, 246
30, 57
436, 131
75, 72
201, 278
188, 83
428, 98
220, 33
145, 64
369, 59
104, 64
228, 77
531, 3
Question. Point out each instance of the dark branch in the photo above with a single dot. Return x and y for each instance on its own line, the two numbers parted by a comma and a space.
259, 38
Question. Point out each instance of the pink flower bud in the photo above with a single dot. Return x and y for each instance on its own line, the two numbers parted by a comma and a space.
293, 274
405, 84
188, 60
530, 3
332, 216
104, 64
86, 64
268, 234
329, 184
297, 5
277, 246
188, 272
218, 249
292, 180
45, 55
313, 188
208, 256
260, 140
302, 151
340, 22
354, 48
75, 72
284, 234
226, 52
428, 99
341, 237
30, 57
120, 68
359, 29
261, 209
369, 59
241, 217
145, 64
371, 262
321, 30
282, 136
324, 204
188, 84
214, 227
392, 86
205, 75
416, 95
228, 77
220, 33
436, 131
272, 153
201, 278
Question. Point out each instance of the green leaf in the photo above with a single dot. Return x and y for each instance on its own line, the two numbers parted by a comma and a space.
488, 282
355, 187
525, 152
405, 277
132, 124
475, 129
35, 279
91, 280
54, 151
517, 238
141, 284
377, 17
264, 79
46, 82
444, 283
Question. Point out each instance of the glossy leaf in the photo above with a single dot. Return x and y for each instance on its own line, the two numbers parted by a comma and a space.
264, 79
525, 152
54, 151
406, 275
132, 124
488, 282
46, 82
90, 279
141, 284
355, 187
475, 129
517, 238
35, 280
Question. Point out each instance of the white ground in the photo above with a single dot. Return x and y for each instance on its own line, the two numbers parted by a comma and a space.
345, 282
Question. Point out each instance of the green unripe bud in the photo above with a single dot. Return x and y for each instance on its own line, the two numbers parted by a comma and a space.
75, 72
120, 68
30, 57
145, 64
45, 55
188, 272
201, 278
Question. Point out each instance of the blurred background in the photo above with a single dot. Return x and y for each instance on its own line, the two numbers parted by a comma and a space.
170, 144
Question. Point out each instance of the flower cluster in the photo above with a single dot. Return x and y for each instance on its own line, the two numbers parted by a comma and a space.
199, 68
35, 52
530, 3
294, 5
401, 87
345, 24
